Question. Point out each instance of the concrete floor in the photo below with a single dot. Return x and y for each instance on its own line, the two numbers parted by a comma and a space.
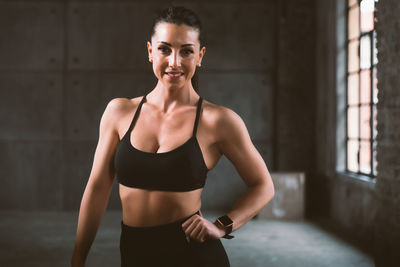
46, 239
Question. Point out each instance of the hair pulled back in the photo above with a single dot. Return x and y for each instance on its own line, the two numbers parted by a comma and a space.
178, 15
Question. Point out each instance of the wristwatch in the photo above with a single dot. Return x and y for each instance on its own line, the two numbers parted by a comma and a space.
226, 223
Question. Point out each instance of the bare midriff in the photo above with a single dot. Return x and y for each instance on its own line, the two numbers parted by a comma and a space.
142, 207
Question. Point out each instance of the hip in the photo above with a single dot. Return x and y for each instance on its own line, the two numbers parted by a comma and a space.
167, 245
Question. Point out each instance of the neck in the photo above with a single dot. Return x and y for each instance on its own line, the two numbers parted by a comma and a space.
167, 98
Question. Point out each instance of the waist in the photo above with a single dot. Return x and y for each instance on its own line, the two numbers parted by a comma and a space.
158, 228
148, 207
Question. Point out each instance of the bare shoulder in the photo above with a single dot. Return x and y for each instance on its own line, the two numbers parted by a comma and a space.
224, 121
118, 108
121, 104
221, 116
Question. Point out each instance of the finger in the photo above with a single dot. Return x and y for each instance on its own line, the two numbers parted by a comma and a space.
202, 235
190, 219
196, 230
190, 227
187, 222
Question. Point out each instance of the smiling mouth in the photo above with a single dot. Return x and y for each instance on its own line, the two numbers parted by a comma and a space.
174, 74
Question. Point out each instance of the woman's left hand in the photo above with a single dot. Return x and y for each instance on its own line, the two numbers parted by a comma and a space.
201, 229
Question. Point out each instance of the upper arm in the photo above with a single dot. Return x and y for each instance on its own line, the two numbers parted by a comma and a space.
235, 143
102, 172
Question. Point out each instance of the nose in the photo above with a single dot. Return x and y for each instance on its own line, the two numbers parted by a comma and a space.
174, 60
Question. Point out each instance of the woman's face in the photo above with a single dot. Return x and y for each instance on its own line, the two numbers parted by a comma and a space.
175, 53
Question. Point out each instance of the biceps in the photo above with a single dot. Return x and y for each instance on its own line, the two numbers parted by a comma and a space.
102, 172
247, 160
236, 145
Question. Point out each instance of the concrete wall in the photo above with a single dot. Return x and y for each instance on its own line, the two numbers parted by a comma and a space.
295, 101
388, 152
279, 84
62, 61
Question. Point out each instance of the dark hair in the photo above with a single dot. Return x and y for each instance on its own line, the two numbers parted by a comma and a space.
178, 15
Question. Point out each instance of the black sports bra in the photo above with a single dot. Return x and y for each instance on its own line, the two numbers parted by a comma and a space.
181, 169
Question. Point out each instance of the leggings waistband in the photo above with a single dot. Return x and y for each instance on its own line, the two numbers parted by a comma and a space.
156, 228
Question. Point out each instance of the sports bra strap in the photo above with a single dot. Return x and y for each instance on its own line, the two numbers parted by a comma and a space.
196, 122
137, 112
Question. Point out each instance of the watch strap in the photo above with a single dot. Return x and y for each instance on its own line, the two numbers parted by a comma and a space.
227, 236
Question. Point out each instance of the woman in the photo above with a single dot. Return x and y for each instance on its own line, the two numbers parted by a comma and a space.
160, 147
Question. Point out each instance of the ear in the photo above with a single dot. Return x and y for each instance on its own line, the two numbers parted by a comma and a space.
201, 55
150, 51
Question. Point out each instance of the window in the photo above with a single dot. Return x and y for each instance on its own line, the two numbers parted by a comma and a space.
361, 89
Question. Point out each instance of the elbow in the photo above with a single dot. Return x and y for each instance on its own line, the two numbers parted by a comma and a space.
270, 192
265, 191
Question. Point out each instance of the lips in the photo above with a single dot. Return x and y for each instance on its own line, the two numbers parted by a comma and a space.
174, 74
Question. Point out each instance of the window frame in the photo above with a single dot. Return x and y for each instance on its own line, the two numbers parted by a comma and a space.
368, 177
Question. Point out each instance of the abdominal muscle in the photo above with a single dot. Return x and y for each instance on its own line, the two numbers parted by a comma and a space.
142, 207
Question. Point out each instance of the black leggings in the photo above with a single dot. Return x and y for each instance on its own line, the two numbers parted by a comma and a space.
166, 245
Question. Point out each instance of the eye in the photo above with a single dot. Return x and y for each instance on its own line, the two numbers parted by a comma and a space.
187, 52
164, 49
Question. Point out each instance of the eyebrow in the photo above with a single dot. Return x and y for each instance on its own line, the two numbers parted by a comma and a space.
184, 45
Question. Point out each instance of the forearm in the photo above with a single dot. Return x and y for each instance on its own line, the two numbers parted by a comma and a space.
93, 205
250, 204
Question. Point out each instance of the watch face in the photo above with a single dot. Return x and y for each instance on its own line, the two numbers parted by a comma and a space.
226, 220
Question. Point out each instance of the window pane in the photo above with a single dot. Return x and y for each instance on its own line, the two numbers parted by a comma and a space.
365, 157
365, 86
365, 126
352, 122
365, 52
352, 155
354, 61
367, 15
375, 83
354, 22
352, 89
